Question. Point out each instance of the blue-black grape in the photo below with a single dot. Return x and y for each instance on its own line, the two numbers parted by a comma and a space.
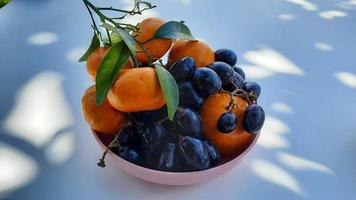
253, 119
240, 72
253, 87
126, 135
152, 140
227, 122
237, 82
131, 154
214, 153
183, 69
188, 97
193, 153
150, 116
225, 72
167, 159
206, 81
226, 55
188, 122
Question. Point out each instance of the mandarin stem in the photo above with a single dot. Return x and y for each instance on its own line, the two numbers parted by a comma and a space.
119, 25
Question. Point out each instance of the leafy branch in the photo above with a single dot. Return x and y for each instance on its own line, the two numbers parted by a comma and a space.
122, 49
124, 26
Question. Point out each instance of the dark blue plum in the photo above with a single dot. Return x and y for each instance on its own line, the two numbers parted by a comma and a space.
188, 97
194, 154
150, 116
152, 140
171, 135
214, 154
226, 55
225, 71
237, 82
153, 137
167, 159
183, 69
139, 129
206, 81
227, 122
126, 135
131, 154
239, 71
253, 87
188, 123
254, 118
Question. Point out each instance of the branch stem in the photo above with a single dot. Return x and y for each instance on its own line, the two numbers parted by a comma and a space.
120, 25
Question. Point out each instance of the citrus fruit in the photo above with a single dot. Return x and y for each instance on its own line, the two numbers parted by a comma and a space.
136, 89
198, 50
234, 142
156, 47
103, 118
95, 59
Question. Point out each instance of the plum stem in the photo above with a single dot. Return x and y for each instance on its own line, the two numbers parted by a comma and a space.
232, 104
114, 143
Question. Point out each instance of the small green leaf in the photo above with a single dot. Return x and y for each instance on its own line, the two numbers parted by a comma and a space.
95, 43
174, 30
115, 38
169, 89
109, 68
125, 36
4, 2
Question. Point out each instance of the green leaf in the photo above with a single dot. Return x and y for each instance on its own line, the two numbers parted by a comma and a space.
174, 30
169, 89
4, 2
115, 38
125, 36
129, 40
95, 43
109, 68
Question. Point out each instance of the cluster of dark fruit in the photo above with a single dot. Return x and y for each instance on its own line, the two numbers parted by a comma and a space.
151, 140
197, 84
233, 81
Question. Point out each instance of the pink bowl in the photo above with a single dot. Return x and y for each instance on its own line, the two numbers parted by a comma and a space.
172, 178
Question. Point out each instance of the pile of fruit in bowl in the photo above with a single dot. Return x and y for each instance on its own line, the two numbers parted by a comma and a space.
194, 112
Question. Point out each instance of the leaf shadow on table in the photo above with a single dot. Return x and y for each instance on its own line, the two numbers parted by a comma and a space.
34, 129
